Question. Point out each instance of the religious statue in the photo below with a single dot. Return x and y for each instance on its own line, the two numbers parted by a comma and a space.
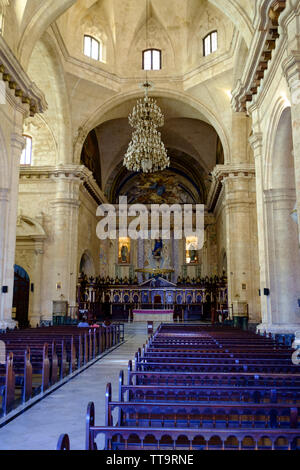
124, 254
192, 254
157, 248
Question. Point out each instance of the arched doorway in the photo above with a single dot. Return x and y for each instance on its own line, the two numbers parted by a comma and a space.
21, 296
87, 265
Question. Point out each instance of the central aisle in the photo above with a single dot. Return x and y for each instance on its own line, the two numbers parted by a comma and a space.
64, 410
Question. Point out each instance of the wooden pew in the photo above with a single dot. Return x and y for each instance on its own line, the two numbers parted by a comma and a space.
63, 442
7, 385
152, 413
34, 366
150, 438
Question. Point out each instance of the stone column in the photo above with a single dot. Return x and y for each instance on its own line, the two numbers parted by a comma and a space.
35, 316
9, 238
256, 141
241, 238
60, 266
291, 67
284, 261
4, 199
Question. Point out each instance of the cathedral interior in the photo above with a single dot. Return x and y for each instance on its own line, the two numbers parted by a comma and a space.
223, 77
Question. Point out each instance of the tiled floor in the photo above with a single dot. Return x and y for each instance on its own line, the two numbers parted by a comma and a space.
64, 410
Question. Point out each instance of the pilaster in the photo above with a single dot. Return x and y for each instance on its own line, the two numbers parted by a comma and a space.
291, 68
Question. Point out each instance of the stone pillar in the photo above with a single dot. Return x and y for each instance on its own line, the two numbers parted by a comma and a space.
239, 139
284, 262
256, 141
36, 312
241, 241
9, 234
291, 67
241, 222
61, 260
4, 199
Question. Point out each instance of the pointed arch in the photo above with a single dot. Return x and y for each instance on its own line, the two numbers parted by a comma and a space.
86, 264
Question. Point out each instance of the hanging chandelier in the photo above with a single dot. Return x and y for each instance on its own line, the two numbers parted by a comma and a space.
146, 151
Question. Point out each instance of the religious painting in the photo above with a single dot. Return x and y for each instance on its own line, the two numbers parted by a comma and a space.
164, 187
124, 251
191, 256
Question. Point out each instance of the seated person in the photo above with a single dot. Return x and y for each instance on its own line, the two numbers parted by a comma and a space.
106, 322
83, 323
93, 323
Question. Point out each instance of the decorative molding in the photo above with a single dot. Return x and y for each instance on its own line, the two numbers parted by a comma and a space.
220, 172
291, 69
18, 81
256, 142
281, 195
233, 170
260, 54
79, 172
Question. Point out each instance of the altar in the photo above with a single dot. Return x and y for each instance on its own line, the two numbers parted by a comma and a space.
153, 315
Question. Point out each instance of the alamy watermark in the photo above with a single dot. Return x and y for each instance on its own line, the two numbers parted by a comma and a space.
188, 221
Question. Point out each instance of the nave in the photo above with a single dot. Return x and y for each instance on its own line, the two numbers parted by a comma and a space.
64, 410
189, 387
198, 387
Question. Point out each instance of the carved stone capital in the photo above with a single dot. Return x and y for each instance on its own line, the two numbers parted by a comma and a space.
291, 69
256, 142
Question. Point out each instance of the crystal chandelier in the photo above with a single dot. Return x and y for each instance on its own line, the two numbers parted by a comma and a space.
146, 151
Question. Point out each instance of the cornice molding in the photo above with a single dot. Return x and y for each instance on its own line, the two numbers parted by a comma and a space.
260, 54
222, 172
79, 172
18, 81
233, 170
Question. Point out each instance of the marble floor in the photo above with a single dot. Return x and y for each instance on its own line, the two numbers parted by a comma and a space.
64, 410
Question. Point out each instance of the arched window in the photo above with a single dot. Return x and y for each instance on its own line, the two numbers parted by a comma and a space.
27, 151
152, 59
210, 43
92, 48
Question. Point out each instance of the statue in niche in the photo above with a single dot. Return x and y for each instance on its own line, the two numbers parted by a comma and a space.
158, 246
193, 254
124, 254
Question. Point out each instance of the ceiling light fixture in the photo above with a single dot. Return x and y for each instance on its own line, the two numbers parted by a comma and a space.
146, 151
